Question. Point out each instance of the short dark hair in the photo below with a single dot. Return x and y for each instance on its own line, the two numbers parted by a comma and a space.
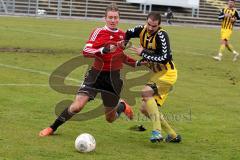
111, 7
155, 16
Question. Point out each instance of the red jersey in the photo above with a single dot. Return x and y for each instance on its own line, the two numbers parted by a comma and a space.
108, 61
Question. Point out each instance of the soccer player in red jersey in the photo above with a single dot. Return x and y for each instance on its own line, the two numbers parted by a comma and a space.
104, 76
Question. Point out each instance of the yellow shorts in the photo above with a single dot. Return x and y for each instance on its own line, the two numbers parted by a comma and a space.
226, 34
164, 81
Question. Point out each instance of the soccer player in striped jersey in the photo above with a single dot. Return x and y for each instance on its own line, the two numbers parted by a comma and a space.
104, 76
228, 15
155, 50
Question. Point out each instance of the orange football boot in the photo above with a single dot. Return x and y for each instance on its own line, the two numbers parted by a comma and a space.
128, 110
46, 132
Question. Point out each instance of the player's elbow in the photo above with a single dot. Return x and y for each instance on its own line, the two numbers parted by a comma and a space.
86, 54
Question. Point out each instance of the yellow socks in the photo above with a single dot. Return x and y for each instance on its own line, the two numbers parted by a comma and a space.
152, 109
221, 49
167, 128
157, 118
229, 47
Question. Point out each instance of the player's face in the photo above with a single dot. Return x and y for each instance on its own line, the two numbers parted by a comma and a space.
152, 26
112, 19
230, 4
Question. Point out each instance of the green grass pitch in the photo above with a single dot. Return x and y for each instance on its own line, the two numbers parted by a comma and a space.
204, 106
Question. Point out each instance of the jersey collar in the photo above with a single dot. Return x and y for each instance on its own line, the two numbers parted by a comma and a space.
111, 30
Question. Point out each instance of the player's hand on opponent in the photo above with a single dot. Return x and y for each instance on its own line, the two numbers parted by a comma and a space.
141, 62
124, 44
137, 50
112, 46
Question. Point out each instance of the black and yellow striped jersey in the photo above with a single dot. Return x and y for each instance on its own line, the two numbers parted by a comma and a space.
156, 46
226, 21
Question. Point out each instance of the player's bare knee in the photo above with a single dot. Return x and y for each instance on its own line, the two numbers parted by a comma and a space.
78, 104
146, 96
75, 108
147, 93
224, 42
144, 112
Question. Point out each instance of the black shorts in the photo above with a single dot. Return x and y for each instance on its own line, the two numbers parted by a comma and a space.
109, 84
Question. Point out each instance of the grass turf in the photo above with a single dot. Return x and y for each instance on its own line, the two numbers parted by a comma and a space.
203, 108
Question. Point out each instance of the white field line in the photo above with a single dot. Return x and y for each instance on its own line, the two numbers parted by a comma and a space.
35, 71
43, 33
196, 54
24, 85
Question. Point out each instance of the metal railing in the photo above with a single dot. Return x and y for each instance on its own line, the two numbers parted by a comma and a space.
56, 8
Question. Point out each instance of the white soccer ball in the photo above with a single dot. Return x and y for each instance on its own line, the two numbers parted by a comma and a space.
85, 143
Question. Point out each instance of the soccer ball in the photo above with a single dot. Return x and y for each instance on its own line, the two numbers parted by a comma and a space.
85, 143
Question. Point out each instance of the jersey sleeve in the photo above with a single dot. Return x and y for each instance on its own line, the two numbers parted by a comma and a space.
221, 14
133, 32
94, 44
129, 60
162, 54
237, 15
